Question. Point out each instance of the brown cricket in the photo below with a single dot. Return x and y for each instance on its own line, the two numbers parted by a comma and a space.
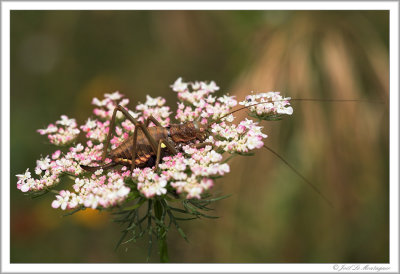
144, 148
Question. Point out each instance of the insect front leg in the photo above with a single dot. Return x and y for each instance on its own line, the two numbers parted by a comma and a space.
110, 131
134, 140
112, 127
137, 124
168, 144
170, 147
152, 141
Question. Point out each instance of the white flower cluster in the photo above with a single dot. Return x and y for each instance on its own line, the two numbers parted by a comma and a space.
200, 90
25, 181
197, 101
149, 182
50, 170
106, 190
238, 138
190, 172
96, 130
156, 108
92, 192
107, 105
274, 103
63, 134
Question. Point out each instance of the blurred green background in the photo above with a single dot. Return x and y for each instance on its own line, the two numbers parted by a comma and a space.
60, 60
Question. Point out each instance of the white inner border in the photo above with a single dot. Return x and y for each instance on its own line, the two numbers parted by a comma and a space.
6, 6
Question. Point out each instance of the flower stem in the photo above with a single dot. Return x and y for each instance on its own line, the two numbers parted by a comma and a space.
163, 250
160, 212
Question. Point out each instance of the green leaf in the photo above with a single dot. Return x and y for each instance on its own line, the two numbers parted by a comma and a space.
218, 198
244, 153
131, 227
74, 211
186, 219
196, 212
207, 216
132, 196
230, 157
40, 193
173, 199
182, 233
179, 210
159, 223
121, 239
135, 206
173, 219
214, 177
202, 206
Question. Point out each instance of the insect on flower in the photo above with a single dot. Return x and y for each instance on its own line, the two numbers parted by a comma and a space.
145, 147
162, 162
148, 145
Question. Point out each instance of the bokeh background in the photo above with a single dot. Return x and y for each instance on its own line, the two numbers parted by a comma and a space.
62, 59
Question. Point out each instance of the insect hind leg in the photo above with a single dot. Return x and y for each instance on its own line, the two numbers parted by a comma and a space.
137, 124
152, 119
112, 127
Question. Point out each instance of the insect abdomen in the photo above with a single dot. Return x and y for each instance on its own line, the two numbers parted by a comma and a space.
144, 152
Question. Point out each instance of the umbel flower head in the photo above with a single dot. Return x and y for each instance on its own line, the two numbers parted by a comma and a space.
186, 176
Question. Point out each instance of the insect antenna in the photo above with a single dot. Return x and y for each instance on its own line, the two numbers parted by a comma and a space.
299, 99
301, 176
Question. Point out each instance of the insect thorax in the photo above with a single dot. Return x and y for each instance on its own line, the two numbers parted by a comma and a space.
183, 133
